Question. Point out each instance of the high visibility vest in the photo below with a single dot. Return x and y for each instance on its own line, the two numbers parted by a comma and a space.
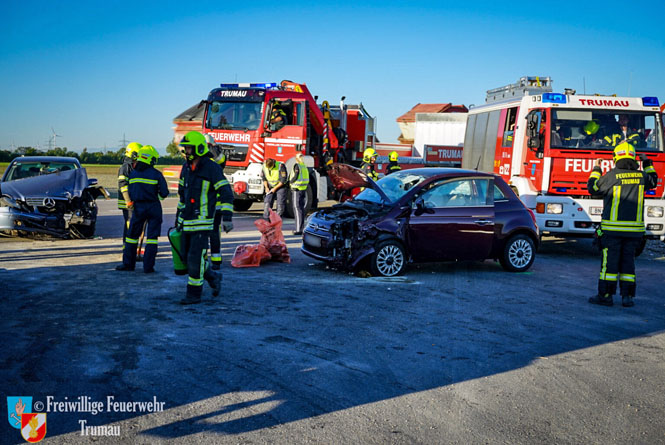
272, 176
302, 180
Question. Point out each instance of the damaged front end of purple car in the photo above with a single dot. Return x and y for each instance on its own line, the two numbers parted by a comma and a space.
347, 233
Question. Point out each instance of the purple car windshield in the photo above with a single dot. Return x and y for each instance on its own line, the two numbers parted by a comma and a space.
394, 186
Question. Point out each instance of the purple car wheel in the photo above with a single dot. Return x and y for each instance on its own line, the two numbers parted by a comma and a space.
518, 253
389, 259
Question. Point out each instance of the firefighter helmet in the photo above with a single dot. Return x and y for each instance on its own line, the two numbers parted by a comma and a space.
132, 150
624, 151
220, 159
368, 154
148, 155
393, 156
209, 139
591, 127
197, 141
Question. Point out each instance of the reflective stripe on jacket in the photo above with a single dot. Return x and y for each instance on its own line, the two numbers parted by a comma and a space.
299, 179
198, 191
123, 181
623, 197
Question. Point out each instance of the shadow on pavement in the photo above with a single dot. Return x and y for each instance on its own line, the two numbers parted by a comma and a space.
304, 340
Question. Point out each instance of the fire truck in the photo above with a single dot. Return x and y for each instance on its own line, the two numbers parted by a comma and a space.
238, 117
544, 144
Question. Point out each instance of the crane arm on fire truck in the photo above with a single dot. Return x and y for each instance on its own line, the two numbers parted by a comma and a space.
317, 117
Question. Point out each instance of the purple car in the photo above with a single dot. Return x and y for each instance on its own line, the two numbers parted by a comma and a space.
421, 215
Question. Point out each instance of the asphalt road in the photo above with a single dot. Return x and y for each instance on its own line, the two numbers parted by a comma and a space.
297, 353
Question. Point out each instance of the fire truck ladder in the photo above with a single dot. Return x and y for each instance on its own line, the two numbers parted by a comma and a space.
527, 85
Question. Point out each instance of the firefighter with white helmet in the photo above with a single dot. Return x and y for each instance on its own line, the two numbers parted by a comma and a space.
622, 225
147, 187
369, 160
124, 203
393, 164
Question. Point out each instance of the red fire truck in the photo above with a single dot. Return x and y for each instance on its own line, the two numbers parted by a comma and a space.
545, 144
238, 118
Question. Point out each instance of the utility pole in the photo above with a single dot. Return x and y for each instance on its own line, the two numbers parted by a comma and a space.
123, 141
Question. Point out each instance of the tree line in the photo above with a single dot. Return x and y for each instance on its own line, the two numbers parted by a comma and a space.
91, 157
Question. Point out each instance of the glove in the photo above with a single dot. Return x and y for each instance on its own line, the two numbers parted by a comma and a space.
130, 205
227, 225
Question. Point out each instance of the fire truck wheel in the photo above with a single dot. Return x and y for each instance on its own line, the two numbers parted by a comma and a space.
241, 205
519, 253
309, 202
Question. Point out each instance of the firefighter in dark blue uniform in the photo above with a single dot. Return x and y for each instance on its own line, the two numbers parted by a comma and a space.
622, 224
200, 183
224, 204
393, 164
368, 165
146, 187
124, 202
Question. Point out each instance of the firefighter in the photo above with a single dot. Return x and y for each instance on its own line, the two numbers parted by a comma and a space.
622, 225
124, 203
146, 187
393, 165
369, 159
299, 180
277, 119
200, 182
590, 132
624, 134
274, 179
224, 203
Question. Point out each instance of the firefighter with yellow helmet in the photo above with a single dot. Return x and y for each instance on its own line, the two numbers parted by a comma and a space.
147, 187
222, 204
124, 203
369, 161
393, 164
622, 225
201, 181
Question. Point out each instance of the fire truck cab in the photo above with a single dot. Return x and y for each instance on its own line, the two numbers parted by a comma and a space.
240, 118
545, 144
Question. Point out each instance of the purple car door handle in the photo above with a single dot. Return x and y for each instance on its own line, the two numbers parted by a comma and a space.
482, 222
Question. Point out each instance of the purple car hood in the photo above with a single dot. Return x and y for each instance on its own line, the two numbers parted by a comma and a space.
346, 177
68, 184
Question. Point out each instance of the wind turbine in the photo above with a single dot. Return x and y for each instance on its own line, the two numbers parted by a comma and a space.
53, 141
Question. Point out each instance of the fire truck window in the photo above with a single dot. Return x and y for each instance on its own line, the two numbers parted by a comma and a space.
489, 147
297, 114
604, 129
509, 128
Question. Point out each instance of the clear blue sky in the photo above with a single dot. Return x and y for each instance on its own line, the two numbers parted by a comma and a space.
94, 70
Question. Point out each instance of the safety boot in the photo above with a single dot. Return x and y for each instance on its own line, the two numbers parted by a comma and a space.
603, 300
214, 279
124, 268
193, 295
627, 301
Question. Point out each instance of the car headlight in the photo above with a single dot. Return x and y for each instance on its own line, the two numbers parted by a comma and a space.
554, 208
654, 211
7, 201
